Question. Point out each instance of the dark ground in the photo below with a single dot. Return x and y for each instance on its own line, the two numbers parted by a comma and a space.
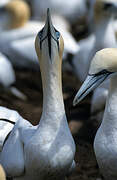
82, 129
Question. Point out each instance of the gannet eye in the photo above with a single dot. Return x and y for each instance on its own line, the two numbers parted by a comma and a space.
57, 34
40, 34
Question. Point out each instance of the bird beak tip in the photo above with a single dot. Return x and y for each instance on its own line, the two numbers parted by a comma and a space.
75, 101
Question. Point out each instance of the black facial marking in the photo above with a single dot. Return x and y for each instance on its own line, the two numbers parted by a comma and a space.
49, 39
49, 36
103, 72
7, 120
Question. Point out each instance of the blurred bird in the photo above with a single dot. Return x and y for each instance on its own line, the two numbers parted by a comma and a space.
14, 14
20, 41
45, 151
104, 66
102, 37
7, 78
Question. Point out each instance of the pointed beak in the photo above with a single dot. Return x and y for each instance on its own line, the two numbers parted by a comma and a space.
91, 82
49, 33
49, 28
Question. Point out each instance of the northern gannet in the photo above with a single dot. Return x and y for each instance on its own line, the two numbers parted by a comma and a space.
103, 37
7, 78
104, 66
2, 173
20, 41
11, 16
45, 151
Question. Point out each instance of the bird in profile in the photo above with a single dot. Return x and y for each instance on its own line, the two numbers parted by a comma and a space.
45, 151
102, 67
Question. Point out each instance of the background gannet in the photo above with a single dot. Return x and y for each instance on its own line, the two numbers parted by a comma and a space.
45, 151
7, 78
103, 66
103, 37
20, 41
11, 16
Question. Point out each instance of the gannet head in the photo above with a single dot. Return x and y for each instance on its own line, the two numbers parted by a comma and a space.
103, 66
14, 14
104, 9
49, 43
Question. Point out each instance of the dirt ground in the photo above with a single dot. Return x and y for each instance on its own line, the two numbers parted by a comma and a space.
78, 117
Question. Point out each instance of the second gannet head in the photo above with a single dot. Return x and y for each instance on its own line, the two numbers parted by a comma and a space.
14, 14
104, 9
103, 66
49, 44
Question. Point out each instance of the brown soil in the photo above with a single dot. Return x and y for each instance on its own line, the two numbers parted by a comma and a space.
82, 129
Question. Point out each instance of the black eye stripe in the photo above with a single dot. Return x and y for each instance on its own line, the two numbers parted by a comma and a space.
101, 73
41, 40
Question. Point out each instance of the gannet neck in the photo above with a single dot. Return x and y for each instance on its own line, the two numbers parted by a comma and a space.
104, 33
52, 89
110, 115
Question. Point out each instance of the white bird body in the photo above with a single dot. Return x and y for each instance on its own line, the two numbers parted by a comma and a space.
6, 127
45, 151
105, 143
104, 66
7, 77
7, 74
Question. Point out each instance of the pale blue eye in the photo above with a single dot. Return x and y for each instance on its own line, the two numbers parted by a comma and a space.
57, 34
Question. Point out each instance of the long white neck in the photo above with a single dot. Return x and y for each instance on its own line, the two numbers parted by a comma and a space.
104, 33
110, 115
53, 105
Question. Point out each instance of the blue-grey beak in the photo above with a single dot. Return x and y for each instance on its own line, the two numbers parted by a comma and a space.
48, 32
91, 82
